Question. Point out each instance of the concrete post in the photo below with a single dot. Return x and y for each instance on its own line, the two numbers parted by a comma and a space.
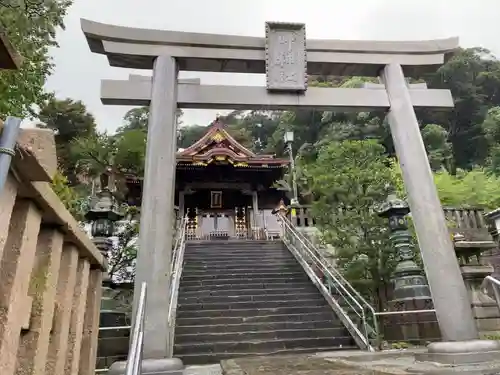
451, 300
154, 257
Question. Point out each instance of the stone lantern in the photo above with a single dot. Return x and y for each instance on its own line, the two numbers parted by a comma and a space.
103, 214
411, 291
409, 281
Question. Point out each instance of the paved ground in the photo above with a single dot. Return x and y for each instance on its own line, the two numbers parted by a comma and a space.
203, 370
291, 365
400, 362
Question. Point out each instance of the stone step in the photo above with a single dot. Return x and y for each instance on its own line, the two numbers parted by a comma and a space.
249, 313
120, 332
247, 274
299, 289
207, 244
235, 245
250, 285
257, 327
238, 250
271, 317
231, 298
113, 319
112, 346
238, 268
236, 258
246, 280
317, 300
237, 299
259, 346
243, 263
246, 336
209, 358
237, 253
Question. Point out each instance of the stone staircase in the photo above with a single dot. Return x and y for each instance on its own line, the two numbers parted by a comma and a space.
241, 298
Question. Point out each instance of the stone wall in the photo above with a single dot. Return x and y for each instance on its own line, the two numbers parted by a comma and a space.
50, 271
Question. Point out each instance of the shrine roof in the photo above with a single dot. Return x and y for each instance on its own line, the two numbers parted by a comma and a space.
217, 145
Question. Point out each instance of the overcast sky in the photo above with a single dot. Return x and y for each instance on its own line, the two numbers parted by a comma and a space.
78, 72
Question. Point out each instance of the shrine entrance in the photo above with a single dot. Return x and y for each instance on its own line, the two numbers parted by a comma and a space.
218, 214
223, 187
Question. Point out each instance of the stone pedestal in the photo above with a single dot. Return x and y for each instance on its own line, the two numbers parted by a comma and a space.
461, 352
473, 351
485, 308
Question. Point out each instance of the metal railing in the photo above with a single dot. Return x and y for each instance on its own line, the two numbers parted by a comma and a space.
495, 285
358, 316
176, 272
134, 358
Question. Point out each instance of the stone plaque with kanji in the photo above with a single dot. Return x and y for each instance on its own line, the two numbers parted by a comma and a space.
286, 57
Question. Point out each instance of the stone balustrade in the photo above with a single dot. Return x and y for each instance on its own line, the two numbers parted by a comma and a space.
469, 222
50, 271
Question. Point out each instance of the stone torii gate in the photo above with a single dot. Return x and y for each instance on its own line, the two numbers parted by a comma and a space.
282, 55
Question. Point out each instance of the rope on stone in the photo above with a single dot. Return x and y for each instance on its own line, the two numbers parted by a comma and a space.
7, 151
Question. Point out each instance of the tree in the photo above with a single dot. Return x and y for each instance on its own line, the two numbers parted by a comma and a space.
93, 155
348, 180
473, 76
491, 126
188, 135
136, 118
31, 34
119, 154
69, 119
439, 150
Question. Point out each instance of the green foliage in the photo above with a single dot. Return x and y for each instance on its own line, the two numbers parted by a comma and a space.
74, 202
438, 148
69, 119
348, 180
401, 345
474, 188
136, 118
473, 76
31, 34
122, 256
188, 135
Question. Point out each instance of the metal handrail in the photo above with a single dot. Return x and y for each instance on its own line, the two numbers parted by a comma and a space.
176, 271
114, 328
495, 284
308, 253
334, 270
133, 366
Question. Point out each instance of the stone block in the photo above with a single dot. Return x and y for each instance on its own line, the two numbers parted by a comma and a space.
41, 143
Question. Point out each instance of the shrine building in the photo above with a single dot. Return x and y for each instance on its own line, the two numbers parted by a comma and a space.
226, 190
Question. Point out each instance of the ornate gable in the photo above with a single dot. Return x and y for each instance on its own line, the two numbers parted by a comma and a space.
218, 146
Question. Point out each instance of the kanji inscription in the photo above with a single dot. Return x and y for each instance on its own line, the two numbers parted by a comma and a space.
286, 61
